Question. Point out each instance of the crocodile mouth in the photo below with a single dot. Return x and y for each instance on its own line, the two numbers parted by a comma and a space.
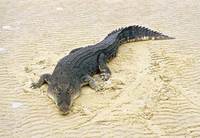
63, 110
63, 107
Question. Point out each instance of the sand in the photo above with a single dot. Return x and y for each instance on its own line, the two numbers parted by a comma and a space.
154, 90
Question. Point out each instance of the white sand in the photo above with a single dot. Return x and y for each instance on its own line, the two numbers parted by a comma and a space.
154, 90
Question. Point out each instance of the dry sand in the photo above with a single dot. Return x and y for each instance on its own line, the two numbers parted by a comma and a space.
154, 90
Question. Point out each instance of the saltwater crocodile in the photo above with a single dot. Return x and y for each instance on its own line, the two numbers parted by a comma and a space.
77, 68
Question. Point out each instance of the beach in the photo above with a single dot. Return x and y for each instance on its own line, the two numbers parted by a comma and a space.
154, 90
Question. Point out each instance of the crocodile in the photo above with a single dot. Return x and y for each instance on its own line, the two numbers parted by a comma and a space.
76, 69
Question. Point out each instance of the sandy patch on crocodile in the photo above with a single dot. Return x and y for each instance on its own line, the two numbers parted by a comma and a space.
154, 88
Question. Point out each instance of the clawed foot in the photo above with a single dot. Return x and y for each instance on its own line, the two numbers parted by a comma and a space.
94, 85
105, 76
98, 88
45, 78
34, 85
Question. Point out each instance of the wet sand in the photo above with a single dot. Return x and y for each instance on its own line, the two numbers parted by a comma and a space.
154, 90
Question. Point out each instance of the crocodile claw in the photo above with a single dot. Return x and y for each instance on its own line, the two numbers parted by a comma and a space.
98, 88
104, 76
34, 85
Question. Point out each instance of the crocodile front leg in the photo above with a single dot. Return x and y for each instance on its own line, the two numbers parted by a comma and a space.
88, 80
45, 78
105, 72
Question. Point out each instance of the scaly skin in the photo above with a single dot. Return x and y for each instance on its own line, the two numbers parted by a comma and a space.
77, 68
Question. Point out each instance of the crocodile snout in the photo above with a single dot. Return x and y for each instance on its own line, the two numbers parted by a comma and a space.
64, 110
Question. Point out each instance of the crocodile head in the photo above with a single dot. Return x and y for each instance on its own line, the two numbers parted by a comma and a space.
61, 96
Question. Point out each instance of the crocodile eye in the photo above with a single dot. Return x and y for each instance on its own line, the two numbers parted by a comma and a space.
67, 90
58, 89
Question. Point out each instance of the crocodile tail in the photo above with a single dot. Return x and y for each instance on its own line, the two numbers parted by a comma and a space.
138, 33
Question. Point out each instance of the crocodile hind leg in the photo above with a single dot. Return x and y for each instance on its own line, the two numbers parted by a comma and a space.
105, 72
45, 78
88, 80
